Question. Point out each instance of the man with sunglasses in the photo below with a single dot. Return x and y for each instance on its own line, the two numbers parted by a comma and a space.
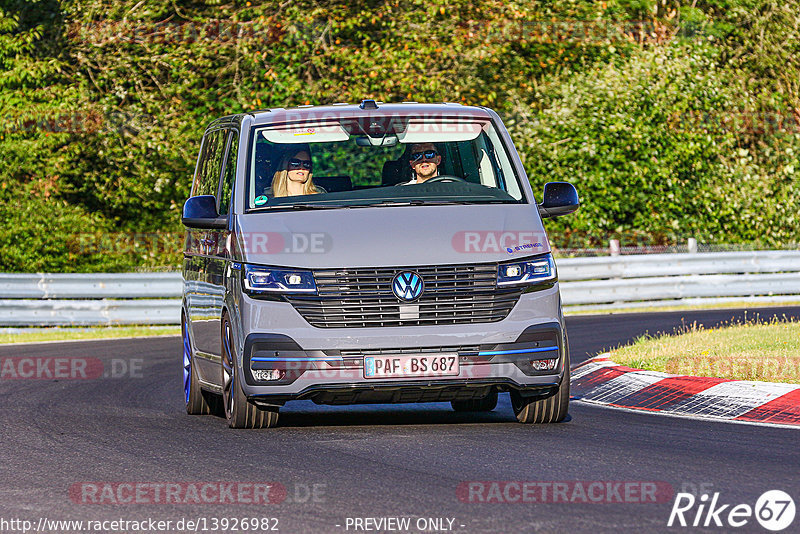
424, 161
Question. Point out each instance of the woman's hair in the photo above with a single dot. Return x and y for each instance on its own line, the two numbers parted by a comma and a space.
280, 180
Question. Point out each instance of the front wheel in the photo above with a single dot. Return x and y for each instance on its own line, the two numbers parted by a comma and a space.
239, 412
195, 398
550, 410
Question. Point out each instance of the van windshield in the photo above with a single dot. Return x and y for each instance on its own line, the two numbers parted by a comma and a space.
379, 161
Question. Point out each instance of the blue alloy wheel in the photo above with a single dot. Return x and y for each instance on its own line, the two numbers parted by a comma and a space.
187, 365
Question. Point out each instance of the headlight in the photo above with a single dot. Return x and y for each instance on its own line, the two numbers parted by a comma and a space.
528, 272
276, 280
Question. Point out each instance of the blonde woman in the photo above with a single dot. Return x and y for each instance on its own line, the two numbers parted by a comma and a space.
293, 176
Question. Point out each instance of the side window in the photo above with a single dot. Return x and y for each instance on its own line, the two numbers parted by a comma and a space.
229, 176
469, 165
201, 161
210, 165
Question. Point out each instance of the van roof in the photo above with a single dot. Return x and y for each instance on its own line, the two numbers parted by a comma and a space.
366, 108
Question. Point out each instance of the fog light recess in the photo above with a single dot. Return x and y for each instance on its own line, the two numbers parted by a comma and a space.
544, 365
266, 375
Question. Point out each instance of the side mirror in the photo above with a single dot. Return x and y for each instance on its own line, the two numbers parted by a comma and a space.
560, 198
201, 212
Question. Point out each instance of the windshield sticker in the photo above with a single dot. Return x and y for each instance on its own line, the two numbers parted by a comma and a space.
320, 133
260, 200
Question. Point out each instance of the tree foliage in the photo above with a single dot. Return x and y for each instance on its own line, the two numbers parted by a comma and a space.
672, 119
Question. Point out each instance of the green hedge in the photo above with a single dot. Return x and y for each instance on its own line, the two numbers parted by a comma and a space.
658, 148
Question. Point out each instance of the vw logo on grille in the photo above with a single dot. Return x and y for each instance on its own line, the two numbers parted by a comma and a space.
407, 286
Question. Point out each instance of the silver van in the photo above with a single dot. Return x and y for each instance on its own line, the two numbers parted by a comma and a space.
372, 253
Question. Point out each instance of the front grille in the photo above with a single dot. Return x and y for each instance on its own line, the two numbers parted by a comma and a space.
454, 294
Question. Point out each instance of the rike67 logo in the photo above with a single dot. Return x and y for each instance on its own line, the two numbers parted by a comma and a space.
774, 510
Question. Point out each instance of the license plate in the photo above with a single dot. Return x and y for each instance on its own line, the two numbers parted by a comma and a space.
417, 365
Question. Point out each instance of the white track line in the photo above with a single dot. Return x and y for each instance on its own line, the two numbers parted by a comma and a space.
702, 418
590, 367
624, 385
732, 399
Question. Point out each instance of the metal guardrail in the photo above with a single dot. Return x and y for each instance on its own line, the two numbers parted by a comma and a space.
647, 265
89, 286
59, 312
586, 283
675, 279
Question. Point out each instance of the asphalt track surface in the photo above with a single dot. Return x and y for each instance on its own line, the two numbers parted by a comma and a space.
373, 460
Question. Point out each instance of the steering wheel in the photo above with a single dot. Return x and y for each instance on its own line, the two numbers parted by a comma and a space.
444, 178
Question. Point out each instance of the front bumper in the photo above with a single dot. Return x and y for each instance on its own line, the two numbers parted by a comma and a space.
337, 376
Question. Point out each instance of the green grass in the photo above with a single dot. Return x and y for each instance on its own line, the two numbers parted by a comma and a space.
767, 352
33, 335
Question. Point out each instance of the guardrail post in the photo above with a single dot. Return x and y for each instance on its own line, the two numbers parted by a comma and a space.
692, 245
613, 247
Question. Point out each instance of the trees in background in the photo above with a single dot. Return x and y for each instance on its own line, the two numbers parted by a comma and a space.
672, 120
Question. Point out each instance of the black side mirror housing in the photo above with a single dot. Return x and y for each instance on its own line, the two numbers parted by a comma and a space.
201, 212
560, 198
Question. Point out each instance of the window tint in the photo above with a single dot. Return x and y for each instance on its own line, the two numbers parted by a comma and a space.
230, 174
210, 165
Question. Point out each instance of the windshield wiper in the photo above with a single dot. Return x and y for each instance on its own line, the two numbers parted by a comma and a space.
416, 202
385, 203
446, 202
380, 204
316, 206
300, 207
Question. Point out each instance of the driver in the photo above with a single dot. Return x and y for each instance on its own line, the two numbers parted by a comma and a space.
424, 161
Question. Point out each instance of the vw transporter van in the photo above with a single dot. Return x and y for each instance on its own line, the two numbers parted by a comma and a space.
372, 253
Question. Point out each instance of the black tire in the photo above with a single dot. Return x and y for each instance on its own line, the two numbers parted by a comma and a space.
194, 396
238, 411
544, 411
484, 404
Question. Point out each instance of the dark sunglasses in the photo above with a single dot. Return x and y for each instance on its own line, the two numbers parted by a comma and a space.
426, 154
295, 164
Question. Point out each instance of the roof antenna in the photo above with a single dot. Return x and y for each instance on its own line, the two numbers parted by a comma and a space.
368, 104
